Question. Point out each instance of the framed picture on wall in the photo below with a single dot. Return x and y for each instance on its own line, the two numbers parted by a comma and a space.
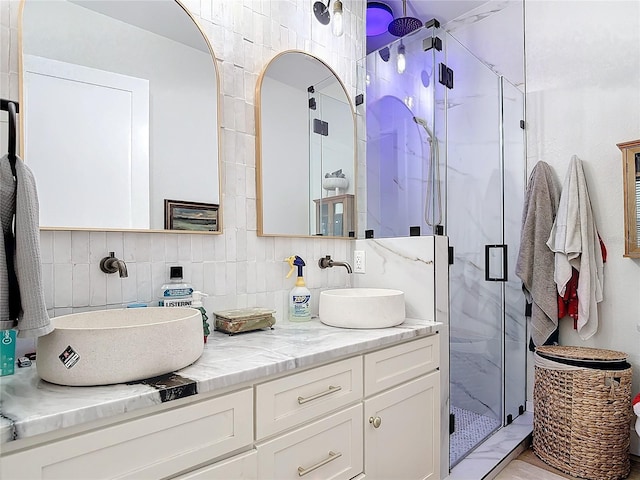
194, 216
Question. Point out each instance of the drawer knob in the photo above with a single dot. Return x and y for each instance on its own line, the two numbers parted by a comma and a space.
375, 421
332, 456
332, 389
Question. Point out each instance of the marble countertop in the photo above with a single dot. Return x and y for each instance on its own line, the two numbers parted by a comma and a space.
30, 406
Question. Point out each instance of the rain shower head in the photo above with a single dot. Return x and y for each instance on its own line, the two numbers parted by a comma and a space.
404, 25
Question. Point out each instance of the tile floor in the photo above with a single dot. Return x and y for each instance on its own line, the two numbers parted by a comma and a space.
470, 430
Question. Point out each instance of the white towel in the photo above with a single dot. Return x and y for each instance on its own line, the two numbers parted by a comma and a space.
574, 239
30, 313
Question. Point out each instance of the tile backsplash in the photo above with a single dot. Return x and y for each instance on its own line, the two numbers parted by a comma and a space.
236, 268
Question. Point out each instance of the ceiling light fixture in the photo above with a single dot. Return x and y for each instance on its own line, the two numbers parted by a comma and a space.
337, 25
379, 15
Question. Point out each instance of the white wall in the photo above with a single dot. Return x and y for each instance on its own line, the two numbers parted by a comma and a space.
237, 268
285, 147
583, 97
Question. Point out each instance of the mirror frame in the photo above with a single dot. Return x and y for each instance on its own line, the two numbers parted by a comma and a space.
258, 146
218, 122
631, 207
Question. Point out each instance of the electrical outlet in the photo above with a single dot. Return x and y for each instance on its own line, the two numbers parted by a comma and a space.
358, 261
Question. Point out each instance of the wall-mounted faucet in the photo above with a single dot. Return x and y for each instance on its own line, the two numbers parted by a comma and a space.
328, 262
111, 264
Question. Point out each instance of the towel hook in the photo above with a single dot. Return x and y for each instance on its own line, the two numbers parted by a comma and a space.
12, 108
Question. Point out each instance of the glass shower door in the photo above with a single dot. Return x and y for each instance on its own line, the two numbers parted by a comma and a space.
476, 232
515, 326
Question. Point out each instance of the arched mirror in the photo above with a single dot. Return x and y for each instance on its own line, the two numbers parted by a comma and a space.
119, 104
305, 149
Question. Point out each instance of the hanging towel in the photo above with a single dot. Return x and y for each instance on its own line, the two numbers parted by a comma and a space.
535, 261
575, 243
22, 304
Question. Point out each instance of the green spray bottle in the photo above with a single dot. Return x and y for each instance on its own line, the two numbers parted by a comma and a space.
300, 296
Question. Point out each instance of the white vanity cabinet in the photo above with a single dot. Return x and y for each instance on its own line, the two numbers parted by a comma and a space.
373, 415
376, 414
402, 412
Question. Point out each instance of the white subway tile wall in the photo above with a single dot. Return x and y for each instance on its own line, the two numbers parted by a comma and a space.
236, 268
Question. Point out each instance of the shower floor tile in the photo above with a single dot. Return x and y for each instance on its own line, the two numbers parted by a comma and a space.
471, 429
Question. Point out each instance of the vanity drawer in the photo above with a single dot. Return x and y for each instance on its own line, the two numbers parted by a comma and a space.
240, 467
392, 366
331, 448
289, 401
154, 446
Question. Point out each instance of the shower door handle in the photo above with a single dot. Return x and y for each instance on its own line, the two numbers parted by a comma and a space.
495, 264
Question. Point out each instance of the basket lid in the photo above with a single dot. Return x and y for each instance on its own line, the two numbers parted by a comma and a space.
582, 353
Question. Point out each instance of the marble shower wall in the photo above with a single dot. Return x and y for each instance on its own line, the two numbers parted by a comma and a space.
237, 268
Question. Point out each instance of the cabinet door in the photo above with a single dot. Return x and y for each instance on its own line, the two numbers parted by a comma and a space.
402, 431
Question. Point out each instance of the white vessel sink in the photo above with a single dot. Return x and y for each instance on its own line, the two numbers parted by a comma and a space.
116, 346
362, 307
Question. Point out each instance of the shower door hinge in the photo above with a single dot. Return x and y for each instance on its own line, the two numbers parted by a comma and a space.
520, 409
312, 103
359, 99
433, 23
451, 256
320, 127
446, 76
431, 42
509, 419
523, 124
452, 423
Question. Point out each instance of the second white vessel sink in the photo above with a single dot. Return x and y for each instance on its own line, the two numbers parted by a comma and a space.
362, 307
122, 345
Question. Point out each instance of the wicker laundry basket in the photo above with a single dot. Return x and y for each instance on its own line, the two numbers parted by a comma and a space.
582, 411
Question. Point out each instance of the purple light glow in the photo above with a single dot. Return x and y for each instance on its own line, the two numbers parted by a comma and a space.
378, 18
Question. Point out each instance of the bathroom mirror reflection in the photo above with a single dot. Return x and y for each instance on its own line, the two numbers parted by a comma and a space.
119, 111
305, 149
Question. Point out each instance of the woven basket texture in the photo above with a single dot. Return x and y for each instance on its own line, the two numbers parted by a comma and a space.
582, 419
582, 353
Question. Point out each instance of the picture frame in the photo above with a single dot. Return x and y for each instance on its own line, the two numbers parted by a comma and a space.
192, 216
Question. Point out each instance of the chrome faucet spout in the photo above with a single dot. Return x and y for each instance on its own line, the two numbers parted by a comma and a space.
328, 262
111, 264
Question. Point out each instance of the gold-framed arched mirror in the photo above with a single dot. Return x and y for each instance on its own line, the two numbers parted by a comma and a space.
120, 115
305, 150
